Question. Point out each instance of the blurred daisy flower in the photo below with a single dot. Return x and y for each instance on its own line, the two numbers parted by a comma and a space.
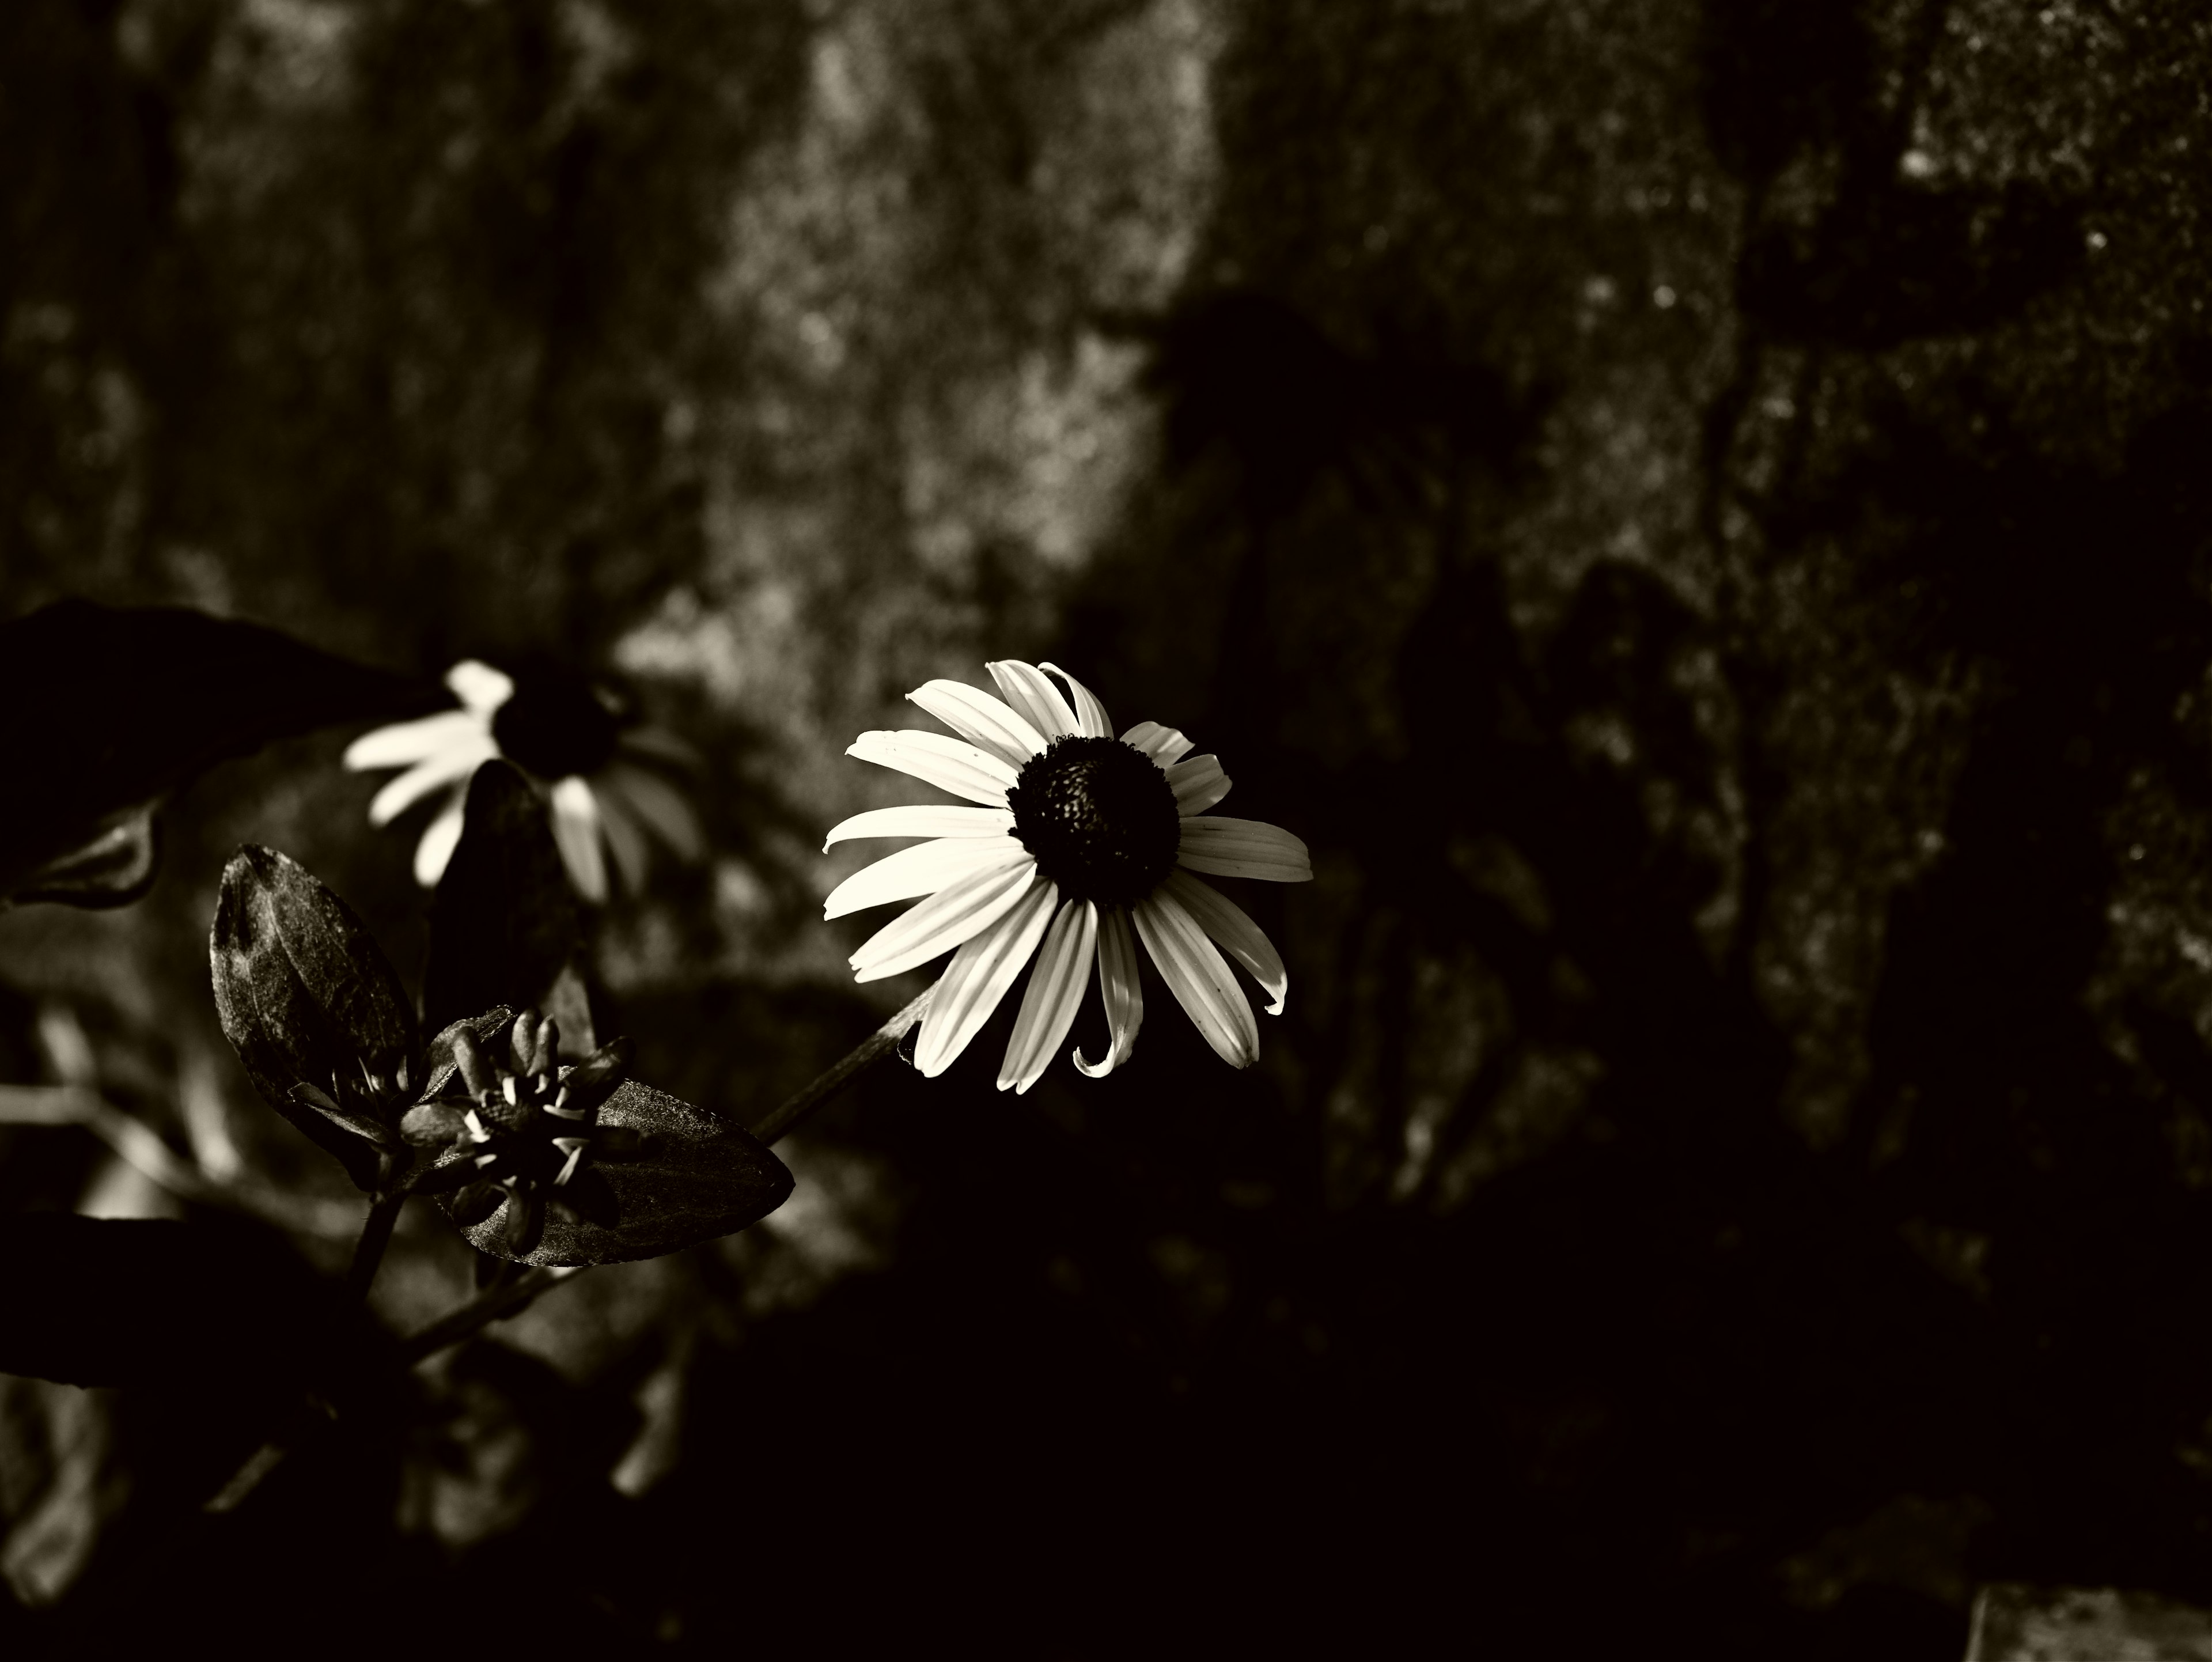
570, 737
1080, 837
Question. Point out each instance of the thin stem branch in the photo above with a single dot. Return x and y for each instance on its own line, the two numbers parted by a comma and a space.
872, 1049
375, 1236
504, 1297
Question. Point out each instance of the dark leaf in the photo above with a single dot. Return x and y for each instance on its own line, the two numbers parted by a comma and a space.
505, 926
105, 1302
698, 1177
105, 712
305, 995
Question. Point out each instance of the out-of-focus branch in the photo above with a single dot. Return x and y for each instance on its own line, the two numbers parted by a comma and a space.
143, 1149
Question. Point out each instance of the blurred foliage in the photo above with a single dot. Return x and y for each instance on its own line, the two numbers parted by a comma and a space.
1696, 509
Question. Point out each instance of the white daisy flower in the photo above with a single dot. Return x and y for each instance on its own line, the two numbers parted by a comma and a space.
1079, 837
568, 737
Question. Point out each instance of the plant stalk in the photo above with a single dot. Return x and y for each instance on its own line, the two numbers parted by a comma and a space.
504, 1297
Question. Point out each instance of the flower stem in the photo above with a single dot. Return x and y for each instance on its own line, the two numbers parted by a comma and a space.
375, 1236
872, 1049
504, 1297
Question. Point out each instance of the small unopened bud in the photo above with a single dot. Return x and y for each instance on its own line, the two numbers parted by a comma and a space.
313, 1008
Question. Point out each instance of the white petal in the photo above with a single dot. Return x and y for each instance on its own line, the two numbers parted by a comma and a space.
1119, 989
977, 978
1164, 744
625, 838
955, 914
922, 869
1088, 710
1199, 783
921, 819
944, 762
984, 722
438, 844
1234, 932
576, 833
659, 804
479, 686
1243, 848
1056, 992
456, 761
1029, 690
406, 743
1200, 978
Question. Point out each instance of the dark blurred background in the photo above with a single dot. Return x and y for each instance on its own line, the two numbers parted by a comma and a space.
1696, 511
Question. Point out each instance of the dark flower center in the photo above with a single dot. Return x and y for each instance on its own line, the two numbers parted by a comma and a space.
1100, 818
555, 725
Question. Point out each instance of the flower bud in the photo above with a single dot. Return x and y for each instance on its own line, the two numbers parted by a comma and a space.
313, 1008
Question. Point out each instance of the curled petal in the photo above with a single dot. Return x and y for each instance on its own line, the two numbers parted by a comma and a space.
955, 914
922, 869
1198, 977
984, 722
921, 819
1029, 690
1198, 783
1243, 848
1165, 745
947, 763
1234, 932
1056, 992
403, 744
977, 979
1088, 710
1118, 989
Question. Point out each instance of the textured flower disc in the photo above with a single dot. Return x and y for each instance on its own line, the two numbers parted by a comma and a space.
555, 725
1100, 818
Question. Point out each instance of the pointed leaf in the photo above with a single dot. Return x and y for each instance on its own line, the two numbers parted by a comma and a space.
304, 994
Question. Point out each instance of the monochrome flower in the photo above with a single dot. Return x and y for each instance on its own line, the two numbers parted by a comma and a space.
518, 1129
569, 737
1082, 845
